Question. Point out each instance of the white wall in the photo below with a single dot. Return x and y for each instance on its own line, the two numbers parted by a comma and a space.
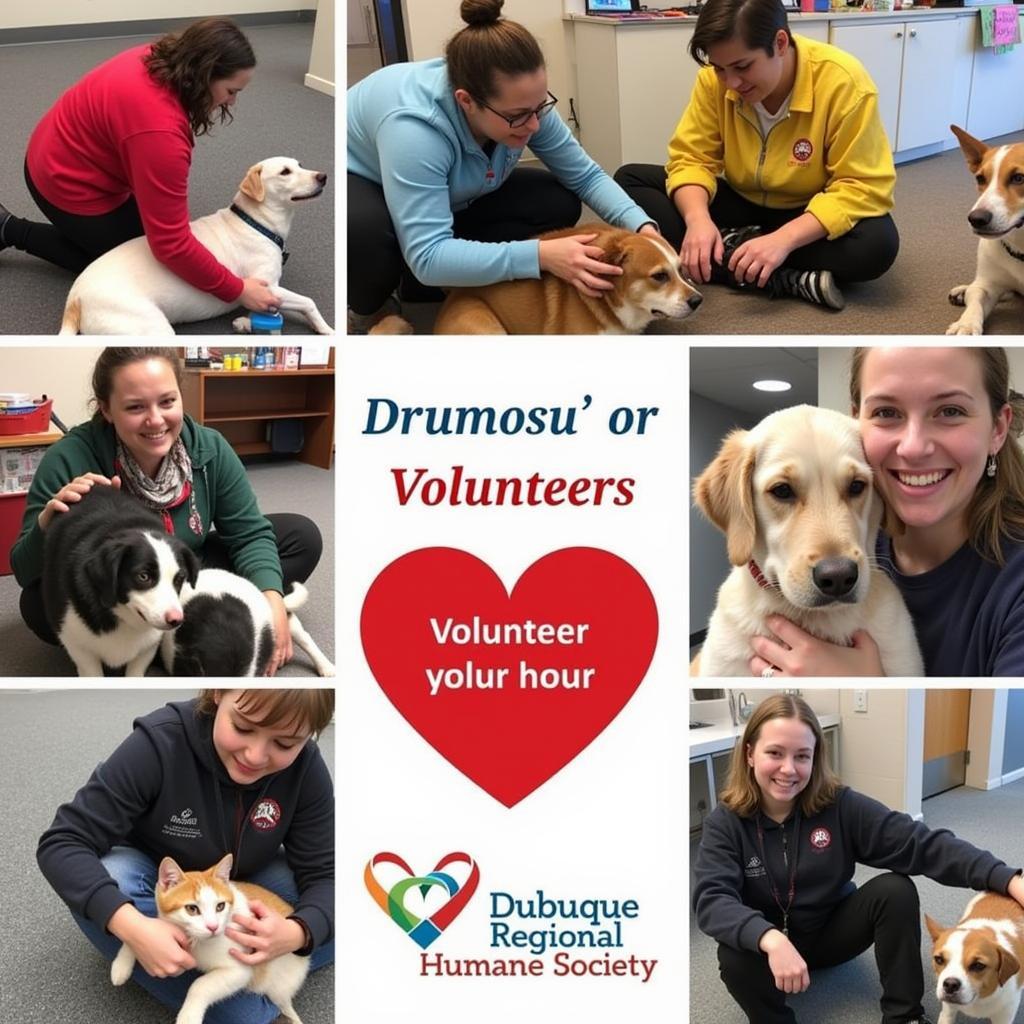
62, 373
76, 12
321, 57
429, 24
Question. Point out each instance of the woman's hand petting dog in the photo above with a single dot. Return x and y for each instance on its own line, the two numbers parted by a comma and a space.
788, 967
257, 296
701, 244
72, 493
755, 259
574, 260
282, 632
797, 653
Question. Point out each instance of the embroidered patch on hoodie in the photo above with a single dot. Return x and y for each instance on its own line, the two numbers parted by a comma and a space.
265, 815
803, 150
821, 838
183, 825
754, 868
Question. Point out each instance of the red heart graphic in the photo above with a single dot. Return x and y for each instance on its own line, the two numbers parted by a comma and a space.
509, 739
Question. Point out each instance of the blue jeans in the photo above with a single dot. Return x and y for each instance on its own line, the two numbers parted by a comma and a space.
135, 875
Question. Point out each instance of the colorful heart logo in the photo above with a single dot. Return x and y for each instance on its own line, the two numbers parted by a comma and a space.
521, 682
422, 930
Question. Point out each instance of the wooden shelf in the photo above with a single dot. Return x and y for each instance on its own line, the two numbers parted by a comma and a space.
240, 404
29, 440
286, 414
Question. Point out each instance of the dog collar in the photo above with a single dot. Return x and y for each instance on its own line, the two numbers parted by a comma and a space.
1015, 253
262, 229
755, 571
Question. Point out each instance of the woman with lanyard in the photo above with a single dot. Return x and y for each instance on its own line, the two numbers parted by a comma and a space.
436, 193
140, 440
773, 876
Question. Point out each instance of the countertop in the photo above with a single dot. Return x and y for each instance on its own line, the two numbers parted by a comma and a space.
716, 738
794, 17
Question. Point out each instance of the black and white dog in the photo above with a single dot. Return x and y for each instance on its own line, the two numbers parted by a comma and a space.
228, 630
112, 577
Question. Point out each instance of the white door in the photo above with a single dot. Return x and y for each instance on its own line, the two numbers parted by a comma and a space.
928, 103
879, 48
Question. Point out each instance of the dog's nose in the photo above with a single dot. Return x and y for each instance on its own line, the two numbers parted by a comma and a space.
174, 618
835, 577
950, 986
321, 177
980, 218
695, 300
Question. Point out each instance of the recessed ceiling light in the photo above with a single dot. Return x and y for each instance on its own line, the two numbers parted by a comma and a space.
772, 385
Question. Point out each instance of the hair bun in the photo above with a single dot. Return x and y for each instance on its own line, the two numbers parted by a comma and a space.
481, 12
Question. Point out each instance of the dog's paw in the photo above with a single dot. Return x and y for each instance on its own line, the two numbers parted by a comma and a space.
121, 968
962, 326
956, 296
241, 325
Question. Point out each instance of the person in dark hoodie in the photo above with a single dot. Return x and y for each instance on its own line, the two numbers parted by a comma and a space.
773, 876
139, 439
234, 771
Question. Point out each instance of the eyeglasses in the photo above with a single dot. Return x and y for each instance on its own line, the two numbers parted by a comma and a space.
521, 119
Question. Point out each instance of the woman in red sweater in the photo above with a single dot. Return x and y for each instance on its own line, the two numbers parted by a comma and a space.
110, 160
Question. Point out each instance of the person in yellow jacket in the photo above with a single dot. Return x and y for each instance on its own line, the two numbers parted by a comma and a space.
779, 174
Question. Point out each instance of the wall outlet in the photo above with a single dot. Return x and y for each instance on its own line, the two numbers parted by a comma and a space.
860, 701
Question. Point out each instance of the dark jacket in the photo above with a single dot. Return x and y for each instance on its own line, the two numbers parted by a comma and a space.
224, 500
732, 896
165, 792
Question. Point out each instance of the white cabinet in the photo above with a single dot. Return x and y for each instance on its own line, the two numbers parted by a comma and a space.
922, 70
996, 107
632, 84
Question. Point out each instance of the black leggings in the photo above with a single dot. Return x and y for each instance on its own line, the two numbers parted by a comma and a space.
299, 546
70, 240
529, 203
884, 912
864, 253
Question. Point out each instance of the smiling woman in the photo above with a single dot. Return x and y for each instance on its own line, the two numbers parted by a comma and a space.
435, 194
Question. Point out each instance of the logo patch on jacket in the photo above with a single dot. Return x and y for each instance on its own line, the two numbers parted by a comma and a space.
266, 814
821, 838
802, 150
754, 868
184, 825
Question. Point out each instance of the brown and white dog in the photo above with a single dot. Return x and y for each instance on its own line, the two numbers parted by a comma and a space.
998, 220
978, 963
651, 287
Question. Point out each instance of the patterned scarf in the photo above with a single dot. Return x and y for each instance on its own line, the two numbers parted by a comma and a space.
171, 486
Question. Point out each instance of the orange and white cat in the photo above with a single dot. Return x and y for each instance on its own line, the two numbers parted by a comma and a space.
202, 903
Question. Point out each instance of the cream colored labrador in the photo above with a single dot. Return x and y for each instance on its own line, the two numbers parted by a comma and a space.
127, 291
795, 500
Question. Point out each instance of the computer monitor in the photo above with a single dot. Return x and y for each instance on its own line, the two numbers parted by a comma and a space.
612, 6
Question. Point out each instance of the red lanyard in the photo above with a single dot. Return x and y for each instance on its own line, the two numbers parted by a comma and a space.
792, 867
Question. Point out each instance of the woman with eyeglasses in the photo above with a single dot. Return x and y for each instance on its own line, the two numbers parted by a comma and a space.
435, 196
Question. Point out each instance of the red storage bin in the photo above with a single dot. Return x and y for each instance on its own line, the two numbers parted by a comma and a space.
36, 422
12, 511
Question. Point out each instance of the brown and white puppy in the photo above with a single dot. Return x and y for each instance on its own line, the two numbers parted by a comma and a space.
651, 287
978, 963
998, 220
795, 500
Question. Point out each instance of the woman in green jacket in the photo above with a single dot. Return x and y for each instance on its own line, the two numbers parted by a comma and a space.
139, 439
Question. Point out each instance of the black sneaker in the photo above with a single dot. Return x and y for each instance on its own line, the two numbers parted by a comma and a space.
817, 286
5, 216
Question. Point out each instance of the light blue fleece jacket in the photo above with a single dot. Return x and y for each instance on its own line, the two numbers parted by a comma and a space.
407, 134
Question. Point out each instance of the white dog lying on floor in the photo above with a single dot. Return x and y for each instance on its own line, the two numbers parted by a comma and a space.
127, 291
795, 500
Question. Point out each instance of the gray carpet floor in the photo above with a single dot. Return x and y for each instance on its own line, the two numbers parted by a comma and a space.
849, 994
937, 251
51, 742
280, 486
276, 115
